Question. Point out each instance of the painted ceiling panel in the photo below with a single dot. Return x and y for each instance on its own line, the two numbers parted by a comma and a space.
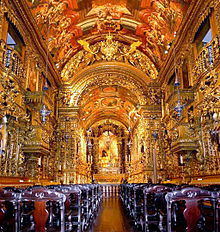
156, 22
81, 34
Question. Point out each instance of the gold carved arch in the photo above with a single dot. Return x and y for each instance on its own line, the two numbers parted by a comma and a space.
109, 124
108, 91
109, 50
96, 118
110, 74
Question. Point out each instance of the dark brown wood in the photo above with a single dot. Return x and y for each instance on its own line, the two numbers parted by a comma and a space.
9, 212
40, 196
191, 214
196, 200
40, 215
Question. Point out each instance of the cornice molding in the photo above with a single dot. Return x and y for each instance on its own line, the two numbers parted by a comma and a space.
30, 30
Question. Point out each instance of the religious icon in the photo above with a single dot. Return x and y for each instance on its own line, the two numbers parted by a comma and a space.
108, 152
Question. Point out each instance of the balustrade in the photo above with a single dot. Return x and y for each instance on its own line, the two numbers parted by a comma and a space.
11, 60
110, 190
207, 57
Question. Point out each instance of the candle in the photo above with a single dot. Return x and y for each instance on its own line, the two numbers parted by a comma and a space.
11, 152
39, 161
1, 146
181, 159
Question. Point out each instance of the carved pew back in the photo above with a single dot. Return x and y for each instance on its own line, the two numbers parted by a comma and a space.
155, 206
217, 212
37, 199
190, 209
73, 211
9, 209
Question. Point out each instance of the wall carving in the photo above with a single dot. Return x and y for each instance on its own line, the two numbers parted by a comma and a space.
109, 50
92, 80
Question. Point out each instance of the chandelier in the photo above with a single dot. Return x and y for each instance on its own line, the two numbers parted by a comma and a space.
179, 107
43, 111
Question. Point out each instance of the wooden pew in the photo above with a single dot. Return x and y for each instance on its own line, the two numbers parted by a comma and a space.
191, 208
39, 196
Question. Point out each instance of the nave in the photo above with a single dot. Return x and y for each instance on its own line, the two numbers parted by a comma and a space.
109, 92
139, 207
112, 217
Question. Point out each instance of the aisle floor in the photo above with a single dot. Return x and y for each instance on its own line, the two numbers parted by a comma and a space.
112, 217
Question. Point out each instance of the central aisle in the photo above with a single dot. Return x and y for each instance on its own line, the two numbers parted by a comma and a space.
112, 217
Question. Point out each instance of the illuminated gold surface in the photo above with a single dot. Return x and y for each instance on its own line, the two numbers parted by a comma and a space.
106, 66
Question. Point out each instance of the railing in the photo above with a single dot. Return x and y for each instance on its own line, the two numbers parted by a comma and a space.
109, 177
11, 59
34, 97
110, 170
110, 190
207, 57
37, 98
186, 96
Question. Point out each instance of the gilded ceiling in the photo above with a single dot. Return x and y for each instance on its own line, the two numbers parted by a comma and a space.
109, 51
151, 22
114, 101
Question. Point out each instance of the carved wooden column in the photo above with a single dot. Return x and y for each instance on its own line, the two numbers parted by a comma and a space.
151, 115
31, 165
217, 14
68, 120
95, 154
120, 154
126, 151
1, 18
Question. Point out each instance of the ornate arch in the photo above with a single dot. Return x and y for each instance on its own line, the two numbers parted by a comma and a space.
109, 50
109, 74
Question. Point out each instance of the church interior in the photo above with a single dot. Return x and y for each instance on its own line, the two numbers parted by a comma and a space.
110, 103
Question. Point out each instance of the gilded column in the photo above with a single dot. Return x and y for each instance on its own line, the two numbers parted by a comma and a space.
95, 155
217, 14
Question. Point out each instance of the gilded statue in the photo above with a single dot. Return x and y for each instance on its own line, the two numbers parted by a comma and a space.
109, 50
57, 22
86, 46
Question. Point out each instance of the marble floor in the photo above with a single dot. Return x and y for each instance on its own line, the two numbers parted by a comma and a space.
112, 217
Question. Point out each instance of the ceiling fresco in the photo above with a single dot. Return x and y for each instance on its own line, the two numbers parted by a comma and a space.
110, 101
152, 22
84, 36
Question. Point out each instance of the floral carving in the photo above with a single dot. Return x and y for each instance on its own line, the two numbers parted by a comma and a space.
109, 50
